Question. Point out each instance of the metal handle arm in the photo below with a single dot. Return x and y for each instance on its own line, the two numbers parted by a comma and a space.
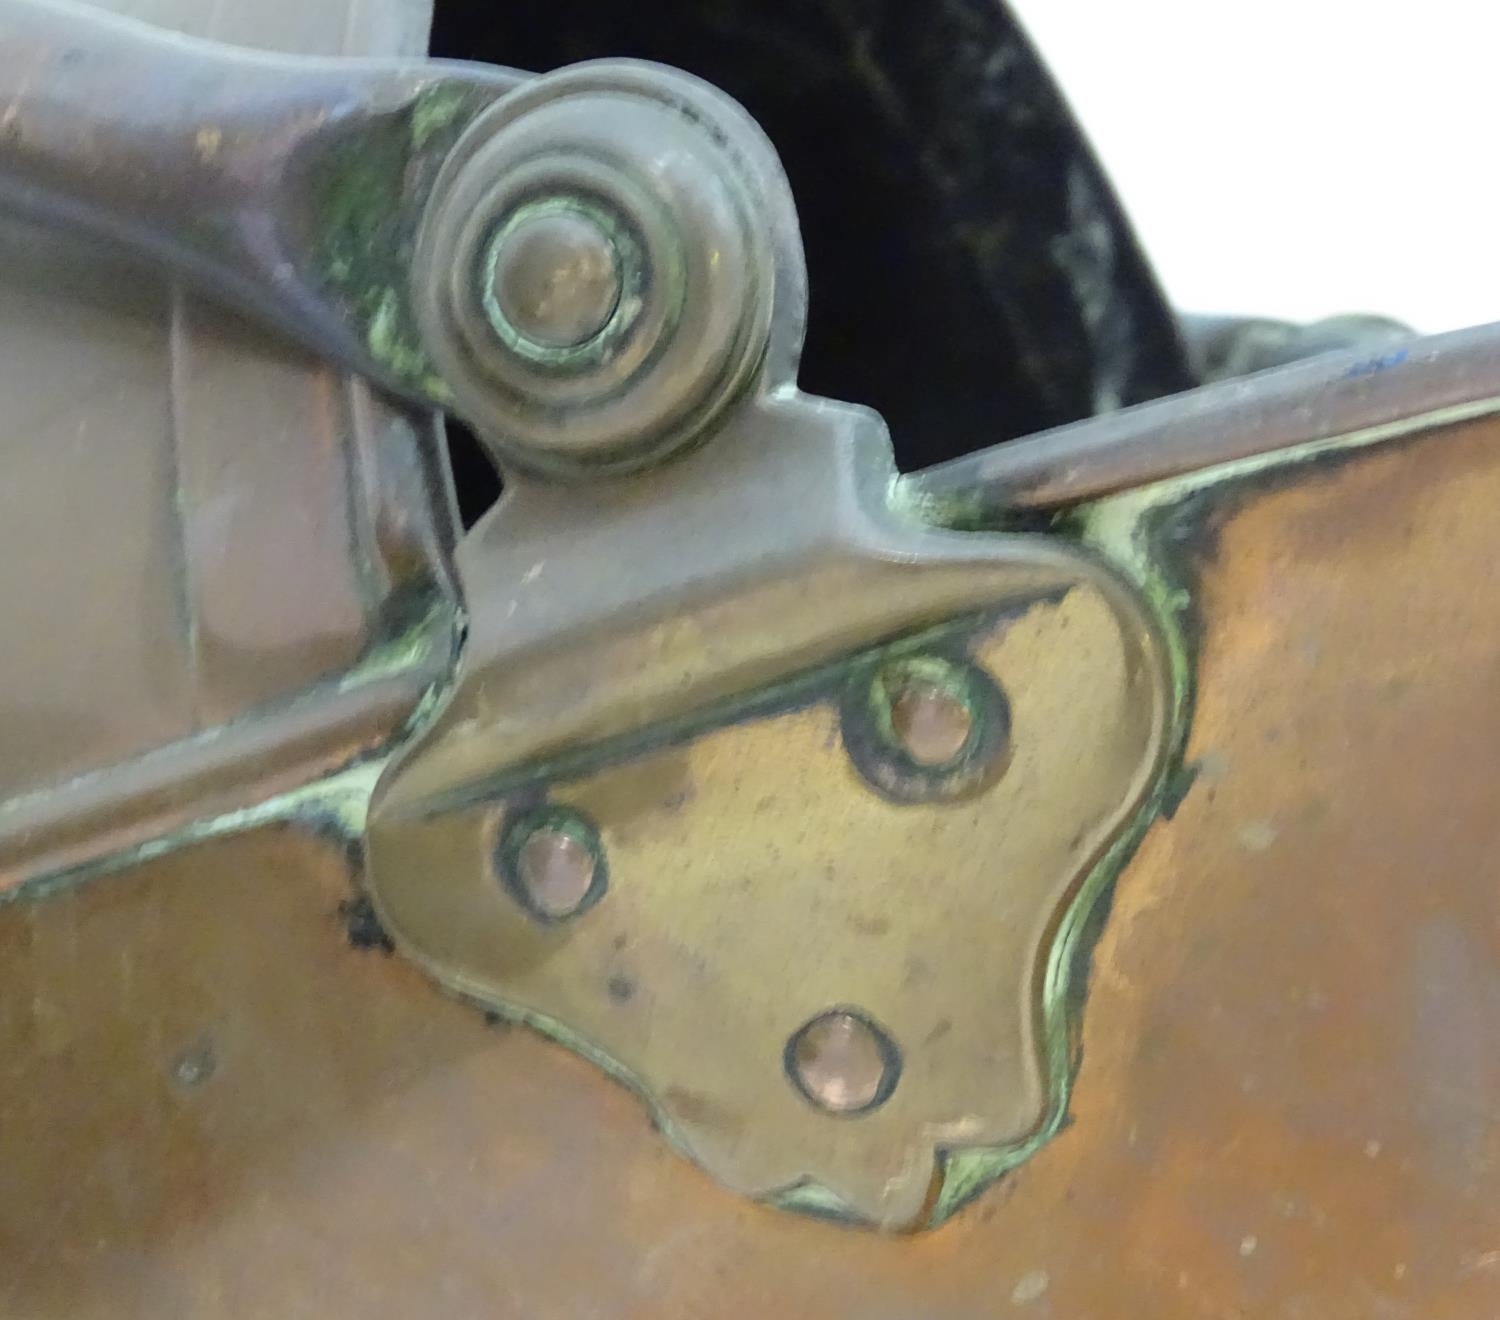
291, 186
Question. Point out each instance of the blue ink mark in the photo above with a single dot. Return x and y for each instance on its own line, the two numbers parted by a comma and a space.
1374, 366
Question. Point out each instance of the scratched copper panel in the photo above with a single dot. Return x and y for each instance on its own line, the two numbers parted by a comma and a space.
280, 589
273, 592
93, 647
197, 522
1288, 1106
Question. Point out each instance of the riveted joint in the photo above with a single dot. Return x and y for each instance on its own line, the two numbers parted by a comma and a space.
551, 861
926, 727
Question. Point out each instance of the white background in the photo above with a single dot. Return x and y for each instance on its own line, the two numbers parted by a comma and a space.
1297, 158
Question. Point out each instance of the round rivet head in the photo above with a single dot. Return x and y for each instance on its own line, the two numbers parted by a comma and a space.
925, 726
843, 1063
554, 279
557, 872
933, 724
552, 862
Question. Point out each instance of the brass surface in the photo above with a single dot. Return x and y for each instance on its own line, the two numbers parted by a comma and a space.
756, 880
747, 867
1287, 1100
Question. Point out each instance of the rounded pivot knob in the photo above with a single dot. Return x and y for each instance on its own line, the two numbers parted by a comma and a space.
593, 274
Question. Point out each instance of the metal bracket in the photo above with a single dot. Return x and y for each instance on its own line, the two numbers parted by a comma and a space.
773, 800
574, 263
734, 834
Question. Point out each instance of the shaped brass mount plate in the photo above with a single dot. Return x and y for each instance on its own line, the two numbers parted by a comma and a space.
766, 796
681, 678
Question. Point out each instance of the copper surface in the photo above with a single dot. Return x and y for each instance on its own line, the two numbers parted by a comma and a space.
1289, 1097
932, 724
840, 1064
556, 870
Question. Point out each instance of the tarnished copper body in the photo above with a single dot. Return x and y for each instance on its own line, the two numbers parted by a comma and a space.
1287, 1098
220, 1096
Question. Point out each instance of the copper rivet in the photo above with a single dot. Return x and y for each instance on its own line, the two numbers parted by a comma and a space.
556, 871
933, 725
840, 1064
